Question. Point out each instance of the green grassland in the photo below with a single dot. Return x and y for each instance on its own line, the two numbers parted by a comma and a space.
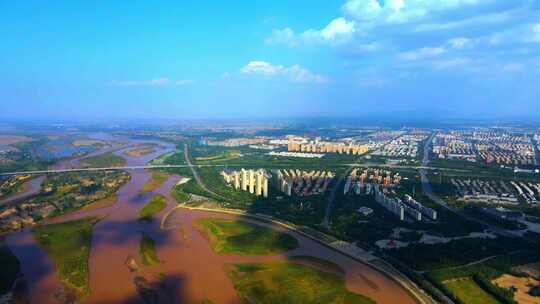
239, 237
147, 251
469, 292
10, 269
68, 245
253, 158
105, 160
483, 273
290, 283
155, 182
157, 204
457, 252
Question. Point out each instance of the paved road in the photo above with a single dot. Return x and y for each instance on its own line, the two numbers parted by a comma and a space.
428, 190
196, 175
38, 172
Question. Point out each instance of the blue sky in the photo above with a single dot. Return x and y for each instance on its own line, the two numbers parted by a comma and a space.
249, 59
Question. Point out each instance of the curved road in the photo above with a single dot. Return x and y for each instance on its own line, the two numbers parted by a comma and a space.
196, 175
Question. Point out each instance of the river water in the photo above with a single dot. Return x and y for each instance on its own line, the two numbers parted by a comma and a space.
190, 271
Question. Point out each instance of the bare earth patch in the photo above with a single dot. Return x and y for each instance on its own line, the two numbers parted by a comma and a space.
522, 285
140, 151
103, 203
13, 139
532, 269
86, 142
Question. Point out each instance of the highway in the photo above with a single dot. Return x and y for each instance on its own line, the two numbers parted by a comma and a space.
196, 175
39, 172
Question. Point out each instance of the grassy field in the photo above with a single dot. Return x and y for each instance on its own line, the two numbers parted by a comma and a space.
157, 204
290, 283
10, 269
68, 244
155, 182
469, 292
147, 250
179, 194
238, 237
105, 160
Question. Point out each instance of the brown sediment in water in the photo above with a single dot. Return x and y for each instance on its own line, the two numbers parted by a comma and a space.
190, 270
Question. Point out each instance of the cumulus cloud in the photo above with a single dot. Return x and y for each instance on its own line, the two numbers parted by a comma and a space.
156, 82
338, 31
424, 35
293, 73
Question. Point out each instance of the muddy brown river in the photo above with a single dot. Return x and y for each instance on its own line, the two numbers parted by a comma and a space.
190, 271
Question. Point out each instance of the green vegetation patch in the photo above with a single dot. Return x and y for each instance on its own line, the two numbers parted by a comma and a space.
290, 283
179, 194
10, 269
320, 263
156, 205
147, 250
155, 182
105, 160
467, 291
239, 237
68, 245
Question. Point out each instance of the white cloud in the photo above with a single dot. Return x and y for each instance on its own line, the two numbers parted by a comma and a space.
337, 31
535, 33
283, 36
294, 73
262, 67
422, 53
459, 43
400, 11
156, 82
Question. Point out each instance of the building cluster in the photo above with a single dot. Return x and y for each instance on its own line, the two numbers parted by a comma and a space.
327, 147
453, 145
236, 142
10, 183
302, 183
254, 181
54, 199
296, 154
497, 147
402, 208
496, 192
405, 146
361, 180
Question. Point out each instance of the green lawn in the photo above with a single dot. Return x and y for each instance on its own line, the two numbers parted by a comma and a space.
155, 182
290, 283
157, 204
68, 245
179, 195
469, 292
105, 160
10, 269
239, 237
147, 250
